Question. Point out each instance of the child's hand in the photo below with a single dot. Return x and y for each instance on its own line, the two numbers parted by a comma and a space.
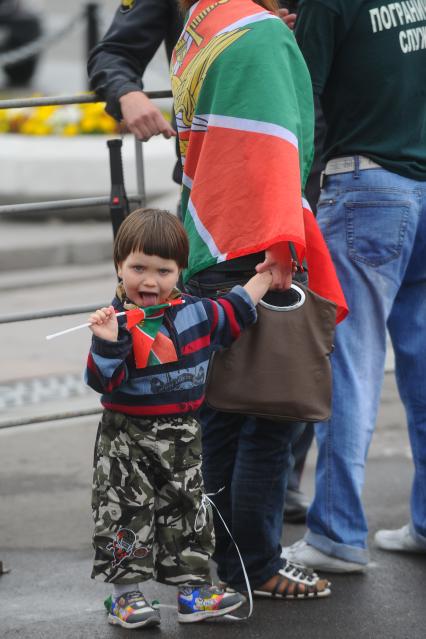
104, 324
258, 285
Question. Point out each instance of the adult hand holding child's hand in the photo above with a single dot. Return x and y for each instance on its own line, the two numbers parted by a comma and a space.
278, 261
258, 285
104, 324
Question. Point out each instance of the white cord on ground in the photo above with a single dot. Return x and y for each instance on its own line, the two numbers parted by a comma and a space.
202, 514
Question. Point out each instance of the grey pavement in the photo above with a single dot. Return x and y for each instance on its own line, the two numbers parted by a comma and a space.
45, 475
34, 245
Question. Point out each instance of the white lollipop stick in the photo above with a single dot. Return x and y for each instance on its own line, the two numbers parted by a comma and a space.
76, 328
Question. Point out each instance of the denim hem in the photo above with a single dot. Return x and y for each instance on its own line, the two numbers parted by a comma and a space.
335, 549
419, 538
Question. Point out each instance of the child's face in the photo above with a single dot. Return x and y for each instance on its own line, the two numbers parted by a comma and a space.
148, 279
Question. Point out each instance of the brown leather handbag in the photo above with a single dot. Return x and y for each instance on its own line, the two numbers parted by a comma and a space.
279, 368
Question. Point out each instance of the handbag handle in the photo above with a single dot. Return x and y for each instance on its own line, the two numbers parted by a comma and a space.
299, 267
291, 307
301, 297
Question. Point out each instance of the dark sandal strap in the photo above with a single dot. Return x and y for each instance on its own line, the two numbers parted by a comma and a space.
276, 589
296, 588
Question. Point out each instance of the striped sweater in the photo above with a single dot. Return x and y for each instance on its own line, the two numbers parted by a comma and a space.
196, 328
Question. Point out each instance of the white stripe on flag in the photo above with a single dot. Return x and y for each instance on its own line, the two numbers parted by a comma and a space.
257, 17
199, 123
192, 9
204, 234
253, 126
306, 204
186, 181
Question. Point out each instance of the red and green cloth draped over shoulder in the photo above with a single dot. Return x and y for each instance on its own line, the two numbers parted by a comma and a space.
243, 102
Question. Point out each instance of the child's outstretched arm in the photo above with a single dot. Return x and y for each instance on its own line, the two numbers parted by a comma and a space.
258, 285
235, 311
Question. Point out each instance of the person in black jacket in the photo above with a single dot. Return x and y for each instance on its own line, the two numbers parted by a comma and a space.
117, 64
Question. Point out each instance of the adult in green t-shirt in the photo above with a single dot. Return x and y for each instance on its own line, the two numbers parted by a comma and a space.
367, 59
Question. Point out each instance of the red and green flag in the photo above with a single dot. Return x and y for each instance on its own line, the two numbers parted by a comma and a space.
243, 102
150, 346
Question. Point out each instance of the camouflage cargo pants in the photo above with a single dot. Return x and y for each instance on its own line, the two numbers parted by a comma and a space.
147, 490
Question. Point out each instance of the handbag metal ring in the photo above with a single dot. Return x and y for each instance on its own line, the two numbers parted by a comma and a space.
293, 307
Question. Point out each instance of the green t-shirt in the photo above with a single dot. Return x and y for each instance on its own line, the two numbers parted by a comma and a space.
367, 60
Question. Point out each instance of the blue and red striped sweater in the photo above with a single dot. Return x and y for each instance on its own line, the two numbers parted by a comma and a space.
196, 328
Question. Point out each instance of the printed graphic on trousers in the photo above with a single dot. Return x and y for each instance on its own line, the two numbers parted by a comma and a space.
147, 491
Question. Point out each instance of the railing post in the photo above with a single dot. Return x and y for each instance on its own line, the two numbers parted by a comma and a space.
92, 26
119, 204
140, 174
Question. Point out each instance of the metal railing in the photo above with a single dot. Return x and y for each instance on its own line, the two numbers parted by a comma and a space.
79, 98
77, 203
72, 203
61, 312
51, 417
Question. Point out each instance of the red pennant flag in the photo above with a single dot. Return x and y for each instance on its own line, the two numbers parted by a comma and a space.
150, 347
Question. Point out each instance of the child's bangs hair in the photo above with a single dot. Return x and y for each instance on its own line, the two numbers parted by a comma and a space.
153, 232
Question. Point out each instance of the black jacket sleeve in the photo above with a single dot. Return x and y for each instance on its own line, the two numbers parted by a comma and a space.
116, 65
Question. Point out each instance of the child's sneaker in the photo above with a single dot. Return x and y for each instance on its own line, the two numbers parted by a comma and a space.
131, 610
196, 603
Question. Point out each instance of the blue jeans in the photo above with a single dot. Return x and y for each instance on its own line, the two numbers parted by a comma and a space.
250, 459
374, 223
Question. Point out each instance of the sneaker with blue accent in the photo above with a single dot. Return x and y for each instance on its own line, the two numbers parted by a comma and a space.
196, 603
131, 610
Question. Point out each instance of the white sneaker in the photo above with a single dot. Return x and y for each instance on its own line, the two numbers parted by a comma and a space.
398, 540
303, 553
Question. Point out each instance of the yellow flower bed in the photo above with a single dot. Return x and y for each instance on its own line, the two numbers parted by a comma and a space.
68, 120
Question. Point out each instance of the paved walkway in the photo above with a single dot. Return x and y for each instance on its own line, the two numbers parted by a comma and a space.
45, 474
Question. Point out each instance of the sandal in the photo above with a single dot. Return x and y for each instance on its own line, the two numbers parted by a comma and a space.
295, 582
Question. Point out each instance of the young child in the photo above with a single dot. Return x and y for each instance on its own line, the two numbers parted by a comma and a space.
147, 487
